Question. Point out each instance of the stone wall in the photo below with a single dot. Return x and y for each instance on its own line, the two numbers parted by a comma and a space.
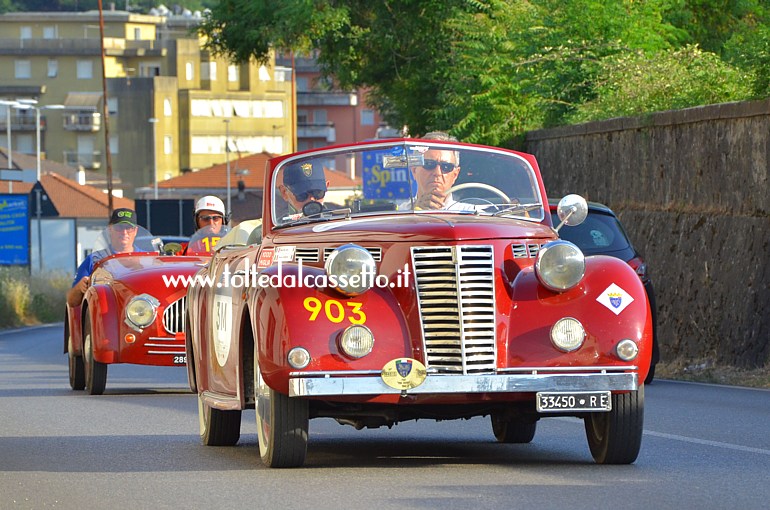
692, 187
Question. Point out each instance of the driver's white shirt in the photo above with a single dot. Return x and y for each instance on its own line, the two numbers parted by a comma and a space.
449, 205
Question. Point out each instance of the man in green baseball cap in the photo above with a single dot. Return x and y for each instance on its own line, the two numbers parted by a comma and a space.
122, 230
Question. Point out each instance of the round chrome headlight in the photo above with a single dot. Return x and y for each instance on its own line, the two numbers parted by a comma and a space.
141, 310
567, 334
356, 341
560, 265
352, 269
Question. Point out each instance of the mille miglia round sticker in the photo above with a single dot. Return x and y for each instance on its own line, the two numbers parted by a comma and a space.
403, 373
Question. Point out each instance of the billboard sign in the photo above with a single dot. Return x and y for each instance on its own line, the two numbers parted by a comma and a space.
14, 229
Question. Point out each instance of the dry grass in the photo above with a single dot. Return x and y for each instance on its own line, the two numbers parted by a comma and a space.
707, 371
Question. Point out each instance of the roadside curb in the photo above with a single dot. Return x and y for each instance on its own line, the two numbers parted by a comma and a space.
30, 328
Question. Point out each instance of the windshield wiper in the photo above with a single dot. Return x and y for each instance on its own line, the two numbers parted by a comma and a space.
525, 208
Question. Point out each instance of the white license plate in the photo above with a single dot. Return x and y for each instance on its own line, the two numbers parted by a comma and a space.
555, 401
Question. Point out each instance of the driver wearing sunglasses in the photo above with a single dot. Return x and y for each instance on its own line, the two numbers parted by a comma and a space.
303, 183
437, 174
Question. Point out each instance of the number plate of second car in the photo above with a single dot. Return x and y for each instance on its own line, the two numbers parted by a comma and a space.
574, 401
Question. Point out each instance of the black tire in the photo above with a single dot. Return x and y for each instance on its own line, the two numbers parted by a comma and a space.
218, 427
95, 372
507, 431
615, 437
77, 372
282, 425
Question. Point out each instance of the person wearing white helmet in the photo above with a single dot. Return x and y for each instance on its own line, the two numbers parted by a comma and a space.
209, 210
210, 225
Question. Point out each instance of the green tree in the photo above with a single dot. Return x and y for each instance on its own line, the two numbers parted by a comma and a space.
635, 84
489, 70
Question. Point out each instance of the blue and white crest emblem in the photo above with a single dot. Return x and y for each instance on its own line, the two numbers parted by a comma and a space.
404, 367
615, 299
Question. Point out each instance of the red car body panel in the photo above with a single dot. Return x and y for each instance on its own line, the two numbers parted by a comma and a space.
114, 282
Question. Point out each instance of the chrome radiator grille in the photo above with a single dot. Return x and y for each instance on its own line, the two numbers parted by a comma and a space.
456, 296
173, 316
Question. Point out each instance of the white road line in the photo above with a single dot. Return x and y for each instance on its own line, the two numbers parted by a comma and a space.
706, 442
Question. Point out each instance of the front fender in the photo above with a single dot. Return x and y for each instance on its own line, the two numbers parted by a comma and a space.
105, 323
536, 310
73, 329
284, 317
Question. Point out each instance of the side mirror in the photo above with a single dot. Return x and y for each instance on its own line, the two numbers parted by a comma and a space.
572, 210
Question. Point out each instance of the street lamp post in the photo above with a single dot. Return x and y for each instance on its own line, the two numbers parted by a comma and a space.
26, 104
154, 123
9, 156
227, 156
8, 106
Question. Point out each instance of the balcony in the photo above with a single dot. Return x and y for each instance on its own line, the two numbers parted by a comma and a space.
21, 122
327, 99
83, 121
88, 160
309, 130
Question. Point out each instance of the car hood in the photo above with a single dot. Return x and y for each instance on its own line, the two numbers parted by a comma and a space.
419, 227
145, 270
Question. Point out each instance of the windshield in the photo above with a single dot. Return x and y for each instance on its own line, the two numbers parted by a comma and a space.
408, 178
124, 238
205, 240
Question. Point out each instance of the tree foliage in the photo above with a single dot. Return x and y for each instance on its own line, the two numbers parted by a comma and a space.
490, 70
634, 84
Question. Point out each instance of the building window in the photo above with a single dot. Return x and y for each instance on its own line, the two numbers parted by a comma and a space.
319, 117
188, 71
23, 69
53, 67
232, 73
264, 74
112, 105
167, 112
25, 33
49, 32
367, 117
168, 145
114, 144
301, 116
209, 71
302, 84
85, 69
137, 34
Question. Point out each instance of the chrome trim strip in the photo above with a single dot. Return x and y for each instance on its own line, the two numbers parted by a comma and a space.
163, 338
592, 368
166, 346
524, 370
175, 353
459, 384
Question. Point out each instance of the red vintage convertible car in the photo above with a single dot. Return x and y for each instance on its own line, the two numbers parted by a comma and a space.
134, 309
373, 308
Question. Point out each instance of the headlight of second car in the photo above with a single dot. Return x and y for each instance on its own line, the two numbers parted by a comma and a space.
353, 269
560, 265
141, 310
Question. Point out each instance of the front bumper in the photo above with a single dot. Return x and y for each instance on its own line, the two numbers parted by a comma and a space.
319, 384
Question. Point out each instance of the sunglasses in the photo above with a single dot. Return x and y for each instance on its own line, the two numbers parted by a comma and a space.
318, 194
213, 217
446, 166
123, 227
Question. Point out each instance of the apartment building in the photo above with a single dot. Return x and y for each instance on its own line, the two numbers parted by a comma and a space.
327, 115
172, 106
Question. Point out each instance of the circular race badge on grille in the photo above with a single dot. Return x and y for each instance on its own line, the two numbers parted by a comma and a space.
403, 373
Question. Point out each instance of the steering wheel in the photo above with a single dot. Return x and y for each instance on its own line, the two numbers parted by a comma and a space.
171, 248
480, 185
